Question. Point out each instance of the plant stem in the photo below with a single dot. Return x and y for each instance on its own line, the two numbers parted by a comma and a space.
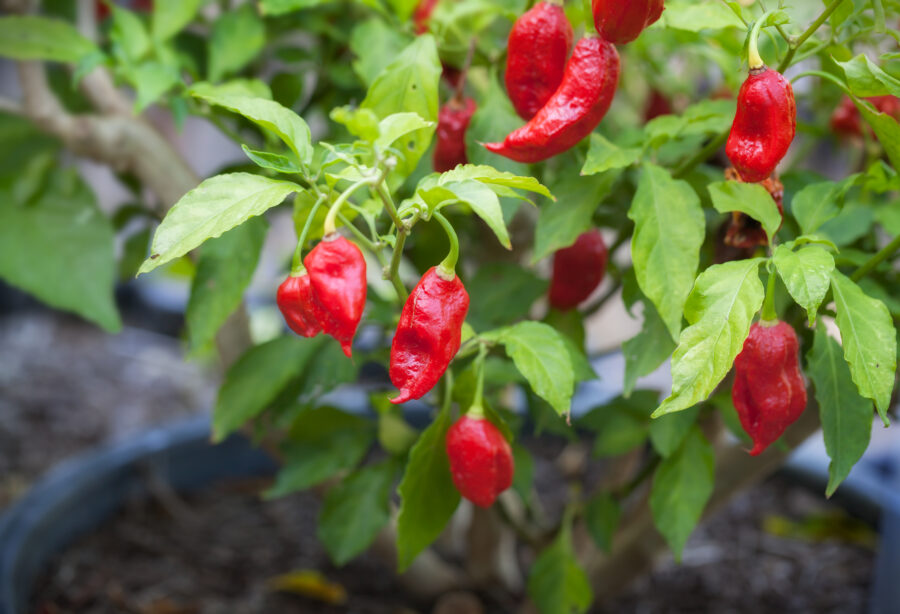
798, 42
753, 58
702, 156
448, 264
768, 308
385, 197
883, 254
329, 227
297, 267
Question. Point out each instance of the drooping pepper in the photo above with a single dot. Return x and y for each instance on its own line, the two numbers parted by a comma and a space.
296, 302
337, 276
574, 110
453, 121
769, 393
481, 461
622, 21
536, 53
744, 232
766, 118
578, 270
429, 333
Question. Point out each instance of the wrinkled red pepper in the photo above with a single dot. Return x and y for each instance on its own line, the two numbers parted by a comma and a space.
536, 53
422, 15
744, 232
769, 393
578, 270
337, 276
453, 121
481, 461
622, 21
574, 110
295, 300
764, 124
428, 334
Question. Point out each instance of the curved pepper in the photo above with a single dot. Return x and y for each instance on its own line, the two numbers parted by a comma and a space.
428, 335
295, 300
453, 121
769, 393
764, 124
622, 21
536, 53
578, 270
481, 461
574, 110
337, 276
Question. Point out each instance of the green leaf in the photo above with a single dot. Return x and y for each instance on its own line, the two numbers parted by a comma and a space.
886, 129
170, 16
604, 155
57, 245
815, 204
806, 274
484, 203
667, 432
28, 37
719, 310
601, 515
648, 349
490, 176
428, 497
256, 379
237, 38
246, 88
621, 424
355, 510
749, 198
669, 230
846, 416
392, 127
694, 17
282, 7
322, 443
681, 487
215, 206
505, 293
268, 115
151, 80
224, 270
271, 161
561, 222
870, 341
523, 476
494, 118
129, 34
410, 84
556, 583
540, 354
375, 44
865, 79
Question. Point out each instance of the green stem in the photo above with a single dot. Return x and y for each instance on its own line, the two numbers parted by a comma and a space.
883, 254
753, 58
388, 204
297, 267
356, 232
393, 273
824, 75
448, 265
477, 408
768, 308
329, 227
796, 44
703, 155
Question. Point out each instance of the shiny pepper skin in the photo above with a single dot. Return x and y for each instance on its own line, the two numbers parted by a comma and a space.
295, 300
536, 53
769, 393
481, 461
622, 21
428, 335
574, 110
453, 121
337, 275
764, 124
578, 270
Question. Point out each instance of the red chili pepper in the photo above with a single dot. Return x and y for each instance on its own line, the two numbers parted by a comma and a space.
744, 232
657, 106
764, 125
846, 120
429, 333
574, 110
578, 270
422, 15
295, 300
622, 21
536, 53
453, 120
337, 276
481, 461
769, 393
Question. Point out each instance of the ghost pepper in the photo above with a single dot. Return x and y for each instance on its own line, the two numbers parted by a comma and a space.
428, 334
453, 121
769, 393
295, 301
578, 270
481, 461
622, 21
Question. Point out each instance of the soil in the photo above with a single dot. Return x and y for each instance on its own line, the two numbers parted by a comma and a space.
65, 386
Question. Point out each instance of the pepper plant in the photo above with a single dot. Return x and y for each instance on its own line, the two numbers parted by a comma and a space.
427, 263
